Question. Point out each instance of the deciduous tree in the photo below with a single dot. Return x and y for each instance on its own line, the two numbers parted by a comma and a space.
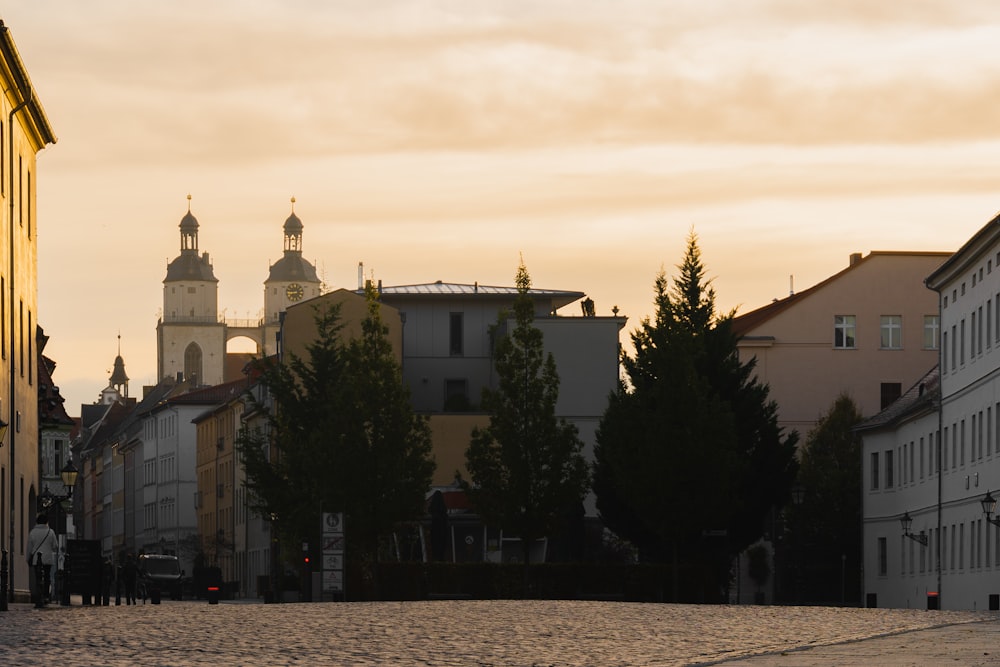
526, 467
343, 437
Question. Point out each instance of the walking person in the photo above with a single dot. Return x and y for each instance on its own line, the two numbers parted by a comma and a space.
42, 547
129, 572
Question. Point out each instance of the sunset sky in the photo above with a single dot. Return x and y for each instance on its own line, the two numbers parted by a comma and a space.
444, 140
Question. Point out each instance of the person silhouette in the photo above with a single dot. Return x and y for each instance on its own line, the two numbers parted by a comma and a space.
42, 547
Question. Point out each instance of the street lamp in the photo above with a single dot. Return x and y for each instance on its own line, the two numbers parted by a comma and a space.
906, 521
989, 504
49, 501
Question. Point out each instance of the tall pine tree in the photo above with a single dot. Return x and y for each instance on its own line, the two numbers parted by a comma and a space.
689, 458
527, 471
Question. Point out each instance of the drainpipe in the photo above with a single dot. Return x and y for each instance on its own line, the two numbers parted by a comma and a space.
940, 446
12, 429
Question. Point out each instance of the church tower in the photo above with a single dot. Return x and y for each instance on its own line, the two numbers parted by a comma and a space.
291, 279
191, 341
117, 389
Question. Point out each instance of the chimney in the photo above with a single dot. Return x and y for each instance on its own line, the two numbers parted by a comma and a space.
361, 275
855, 258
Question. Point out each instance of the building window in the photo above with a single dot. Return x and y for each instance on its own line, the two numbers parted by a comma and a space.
890, 392
889, 482
932, 330
921, 457
989, 323
456, 396
874, 471
979, 332
456, 331
891, 332
972, 336
844, 329
192, 362
961, 342
883, 557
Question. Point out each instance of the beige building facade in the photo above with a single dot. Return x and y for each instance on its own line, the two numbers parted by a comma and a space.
871, 330
24, 131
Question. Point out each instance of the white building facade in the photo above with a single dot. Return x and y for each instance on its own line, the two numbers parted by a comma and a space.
936, 455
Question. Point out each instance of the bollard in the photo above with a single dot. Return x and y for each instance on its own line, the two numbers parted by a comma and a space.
154, 595
212, 593
932, 600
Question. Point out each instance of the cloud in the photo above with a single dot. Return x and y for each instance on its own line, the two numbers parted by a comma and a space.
254, 83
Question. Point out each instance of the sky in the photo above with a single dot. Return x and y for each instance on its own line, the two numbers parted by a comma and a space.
447, 140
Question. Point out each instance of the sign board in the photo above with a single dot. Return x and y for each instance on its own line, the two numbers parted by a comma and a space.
333, 552
333, 581
333, 543
83, 561
333, 523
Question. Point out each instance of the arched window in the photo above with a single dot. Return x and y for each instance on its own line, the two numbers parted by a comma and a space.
192, 362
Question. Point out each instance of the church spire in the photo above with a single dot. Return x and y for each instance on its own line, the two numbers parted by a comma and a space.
119, 380
189, 230
293, 232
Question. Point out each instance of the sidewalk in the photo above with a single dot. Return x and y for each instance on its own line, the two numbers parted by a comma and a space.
963, 645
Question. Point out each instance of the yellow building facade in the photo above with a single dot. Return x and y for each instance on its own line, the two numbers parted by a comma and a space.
24, 131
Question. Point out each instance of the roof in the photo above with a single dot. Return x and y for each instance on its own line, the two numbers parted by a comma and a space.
213, 395
51, 408
969, 253
442, 289
190, 266
35, 119
293, 267
293, 225
755, 318
922, 396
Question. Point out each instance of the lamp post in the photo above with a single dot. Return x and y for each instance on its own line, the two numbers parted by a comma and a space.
989, 504
50, 501
906, 521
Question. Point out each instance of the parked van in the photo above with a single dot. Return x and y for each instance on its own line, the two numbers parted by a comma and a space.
161, 575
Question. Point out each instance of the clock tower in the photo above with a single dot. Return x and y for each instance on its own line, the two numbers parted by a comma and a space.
290, 280
191, 338
191, 341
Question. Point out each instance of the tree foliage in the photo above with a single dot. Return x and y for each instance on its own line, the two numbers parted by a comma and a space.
689, 448
343, 436
526, 467
825, 528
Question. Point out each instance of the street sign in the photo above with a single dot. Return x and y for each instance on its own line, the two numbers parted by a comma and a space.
333, 581
333, 523
333, 552
333, 543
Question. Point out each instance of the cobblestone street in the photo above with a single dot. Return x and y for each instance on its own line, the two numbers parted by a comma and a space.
479, 633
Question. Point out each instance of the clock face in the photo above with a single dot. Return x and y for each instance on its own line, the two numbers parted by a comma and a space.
294, 292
